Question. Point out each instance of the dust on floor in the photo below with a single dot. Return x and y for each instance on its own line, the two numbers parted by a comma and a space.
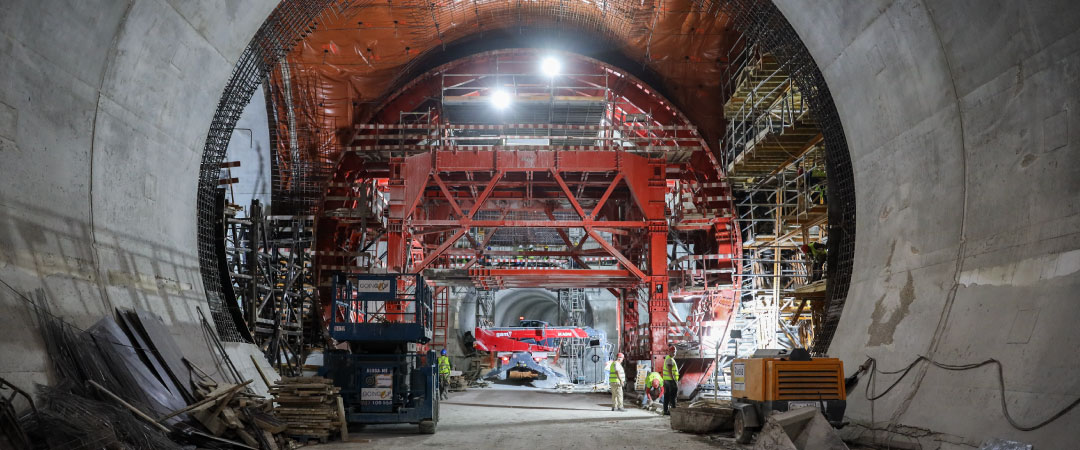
530, 419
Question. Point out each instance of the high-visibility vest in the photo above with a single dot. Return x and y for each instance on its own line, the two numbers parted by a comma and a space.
444, 365
671, 369
613, 375
649, 379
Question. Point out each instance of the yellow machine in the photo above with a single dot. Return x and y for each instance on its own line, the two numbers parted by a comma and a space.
773, 380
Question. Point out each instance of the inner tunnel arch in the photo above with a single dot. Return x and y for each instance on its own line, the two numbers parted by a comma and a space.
722, 25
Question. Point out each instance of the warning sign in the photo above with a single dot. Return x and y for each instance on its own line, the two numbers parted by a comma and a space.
738, 377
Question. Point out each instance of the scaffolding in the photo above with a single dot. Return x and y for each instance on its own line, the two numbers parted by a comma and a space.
572, 306
269, 260
485, 308
774, 155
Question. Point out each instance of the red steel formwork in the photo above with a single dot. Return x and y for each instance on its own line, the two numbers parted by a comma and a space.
616, 198
439, 204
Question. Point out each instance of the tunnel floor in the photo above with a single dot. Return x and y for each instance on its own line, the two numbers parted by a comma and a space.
509, 418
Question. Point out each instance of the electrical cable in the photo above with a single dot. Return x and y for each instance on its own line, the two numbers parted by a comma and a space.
960, 367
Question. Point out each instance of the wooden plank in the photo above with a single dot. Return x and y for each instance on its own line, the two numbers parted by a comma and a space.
220, 392
133, 409
344, 421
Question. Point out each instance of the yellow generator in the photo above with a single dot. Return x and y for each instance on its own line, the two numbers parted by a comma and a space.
773, 380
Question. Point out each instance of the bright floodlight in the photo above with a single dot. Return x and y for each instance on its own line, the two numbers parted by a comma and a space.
550, 66
500, 99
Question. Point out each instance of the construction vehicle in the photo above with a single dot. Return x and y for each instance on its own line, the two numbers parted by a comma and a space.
774, 380
520, 352
387, 375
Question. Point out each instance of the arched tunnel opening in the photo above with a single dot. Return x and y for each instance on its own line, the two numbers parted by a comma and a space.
392, 198
745, 228
487, 162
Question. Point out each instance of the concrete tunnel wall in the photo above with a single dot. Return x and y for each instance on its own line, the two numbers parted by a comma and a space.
104, 110
960, 115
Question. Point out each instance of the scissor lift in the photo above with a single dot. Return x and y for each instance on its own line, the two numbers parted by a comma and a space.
387, 375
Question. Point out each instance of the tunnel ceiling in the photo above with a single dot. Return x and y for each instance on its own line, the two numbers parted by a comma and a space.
366, 50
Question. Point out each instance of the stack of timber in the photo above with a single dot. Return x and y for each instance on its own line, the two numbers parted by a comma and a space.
310, 407
230, 413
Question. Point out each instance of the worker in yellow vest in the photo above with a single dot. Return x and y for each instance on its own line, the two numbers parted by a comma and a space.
654, 390
816, 254
617, 379
671, 381
444, 375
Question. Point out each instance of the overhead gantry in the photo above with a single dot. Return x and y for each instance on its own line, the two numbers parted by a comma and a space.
488, 173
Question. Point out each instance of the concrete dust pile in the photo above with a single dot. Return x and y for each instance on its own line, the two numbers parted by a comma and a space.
800, 429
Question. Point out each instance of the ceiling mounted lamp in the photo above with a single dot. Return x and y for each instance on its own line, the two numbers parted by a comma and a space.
500, 99
550, 66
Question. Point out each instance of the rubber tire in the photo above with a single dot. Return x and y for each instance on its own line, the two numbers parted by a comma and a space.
743, 434
427, 426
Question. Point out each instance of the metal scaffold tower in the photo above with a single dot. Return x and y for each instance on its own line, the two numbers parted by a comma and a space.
572, 306
572, 309
774, 155
485, 308
269, 263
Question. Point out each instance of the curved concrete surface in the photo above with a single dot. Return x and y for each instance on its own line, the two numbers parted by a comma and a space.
104, 109
961, 117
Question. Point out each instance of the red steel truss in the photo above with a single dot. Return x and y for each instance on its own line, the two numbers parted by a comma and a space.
615, 198
635, 204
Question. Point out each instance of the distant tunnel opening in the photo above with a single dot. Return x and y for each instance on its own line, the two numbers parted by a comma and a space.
533, 304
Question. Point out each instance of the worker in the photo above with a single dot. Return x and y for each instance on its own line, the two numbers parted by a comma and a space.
616, 380
816, 254
671, 380
444, 375
654, 389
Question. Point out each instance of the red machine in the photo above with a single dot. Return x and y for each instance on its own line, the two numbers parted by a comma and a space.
523, 349
517, 339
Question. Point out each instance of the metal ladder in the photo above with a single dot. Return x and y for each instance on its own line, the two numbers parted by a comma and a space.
485, 308
574, 351
572, 301
441, 329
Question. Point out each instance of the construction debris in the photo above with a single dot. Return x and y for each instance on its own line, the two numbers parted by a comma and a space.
124, 383
309, 407
799, 429
700, 420
457, 381
12, 433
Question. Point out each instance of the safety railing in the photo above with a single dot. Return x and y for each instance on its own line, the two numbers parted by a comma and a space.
381, 307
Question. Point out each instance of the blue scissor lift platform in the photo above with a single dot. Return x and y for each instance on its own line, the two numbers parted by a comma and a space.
386, 375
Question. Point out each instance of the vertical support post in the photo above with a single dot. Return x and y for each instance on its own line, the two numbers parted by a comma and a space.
659, 307
628, 299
